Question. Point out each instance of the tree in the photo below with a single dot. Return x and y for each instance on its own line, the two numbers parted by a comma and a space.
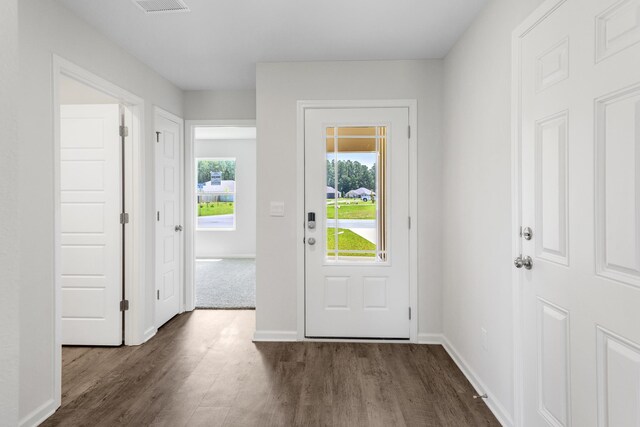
351, 176
226, 167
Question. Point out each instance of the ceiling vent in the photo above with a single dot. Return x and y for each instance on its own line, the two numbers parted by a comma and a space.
162, 6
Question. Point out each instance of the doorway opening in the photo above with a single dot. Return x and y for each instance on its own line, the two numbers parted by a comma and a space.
223, 189
98, 198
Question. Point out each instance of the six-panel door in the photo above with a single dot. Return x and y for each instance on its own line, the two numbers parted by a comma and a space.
580, 133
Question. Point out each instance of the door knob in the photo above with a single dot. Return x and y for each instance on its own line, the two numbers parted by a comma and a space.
525, 262
311, 240
178, 228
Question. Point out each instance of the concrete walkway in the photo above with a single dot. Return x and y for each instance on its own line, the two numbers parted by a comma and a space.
365, 228
352, 223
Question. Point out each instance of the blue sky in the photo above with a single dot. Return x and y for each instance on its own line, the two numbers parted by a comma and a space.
368, 159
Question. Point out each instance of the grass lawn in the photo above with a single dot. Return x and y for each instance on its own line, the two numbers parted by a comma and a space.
215, 208
348, 240
352, 209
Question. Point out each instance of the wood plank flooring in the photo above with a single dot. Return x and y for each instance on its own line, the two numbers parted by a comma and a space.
202, 369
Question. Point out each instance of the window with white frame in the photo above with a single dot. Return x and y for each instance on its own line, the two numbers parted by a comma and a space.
216, 193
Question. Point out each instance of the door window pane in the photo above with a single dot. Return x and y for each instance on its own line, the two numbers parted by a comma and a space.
216, 194
356, 209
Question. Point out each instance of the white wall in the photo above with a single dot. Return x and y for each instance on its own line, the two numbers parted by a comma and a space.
45, 28
477, 197
279, 87
218, 105
73, 92
9, 222
240, 242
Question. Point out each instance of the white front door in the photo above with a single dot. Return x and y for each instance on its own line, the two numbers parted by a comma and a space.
168, 218
91, 233
580, 135
357, 254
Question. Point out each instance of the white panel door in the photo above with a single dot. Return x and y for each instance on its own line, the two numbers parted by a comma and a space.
357, 256
168, 217
91, 233
580, 133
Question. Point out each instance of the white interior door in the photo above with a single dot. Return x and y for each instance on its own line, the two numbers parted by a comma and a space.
91, 233
357, 255
168, 218
580, 133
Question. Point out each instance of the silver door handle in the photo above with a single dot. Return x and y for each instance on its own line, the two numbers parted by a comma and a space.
311, 241
178, 228
525, 262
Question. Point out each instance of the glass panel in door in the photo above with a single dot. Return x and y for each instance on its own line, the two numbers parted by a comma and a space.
356, 187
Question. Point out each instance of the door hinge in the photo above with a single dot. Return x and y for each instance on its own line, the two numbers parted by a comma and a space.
409, 132
124, 218
158, 215
124, 305
124, 130
158, 136
409, 313
409, 222
158, 294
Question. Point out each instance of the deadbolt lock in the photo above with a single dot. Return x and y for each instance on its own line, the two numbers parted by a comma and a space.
311, 220
527, 233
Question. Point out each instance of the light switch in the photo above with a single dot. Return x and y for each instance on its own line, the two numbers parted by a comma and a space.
276, 209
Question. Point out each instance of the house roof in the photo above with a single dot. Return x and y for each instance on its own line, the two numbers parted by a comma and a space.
331, 189
360, 191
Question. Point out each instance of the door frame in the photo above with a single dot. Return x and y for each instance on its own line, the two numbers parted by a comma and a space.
190, 201
160, 112
412, 106
134, 205
532, 21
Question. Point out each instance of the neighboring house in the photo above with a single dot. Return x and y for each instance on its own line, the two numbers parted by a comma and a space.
217, 193
331, 193
359, 193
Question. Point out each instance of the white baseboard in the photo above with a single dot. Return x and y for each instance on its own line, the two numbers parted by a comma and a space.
430, 339
275, 336
210, 257
40, 414
494, 404
149, 333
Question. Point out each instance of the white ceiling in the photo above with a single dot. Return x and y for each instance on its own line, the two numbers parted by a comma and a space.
218, 43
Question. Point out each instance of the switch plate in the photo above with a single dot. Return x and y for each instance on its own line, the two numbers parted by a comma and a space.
276, 209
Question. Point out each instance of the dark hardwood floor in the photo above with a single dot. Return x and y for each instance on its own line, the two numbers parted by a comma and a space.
202, 369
